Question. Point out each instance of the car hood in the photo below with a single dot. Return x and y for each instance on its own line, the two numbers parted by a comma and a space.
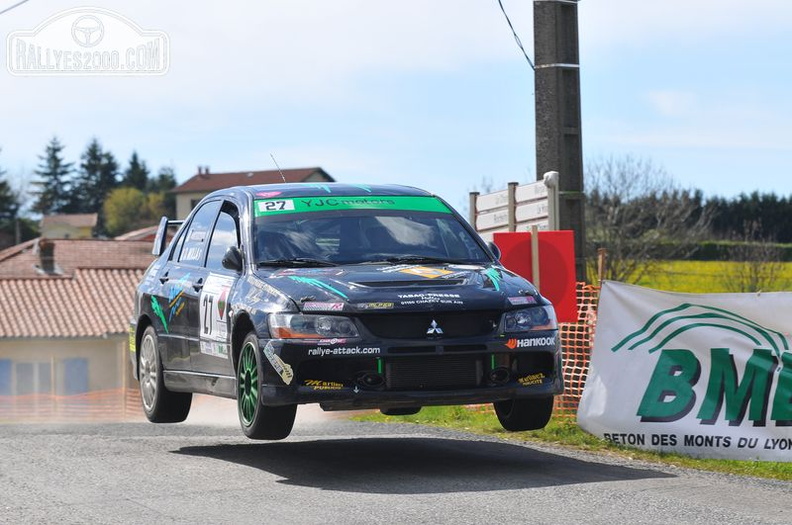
371, 287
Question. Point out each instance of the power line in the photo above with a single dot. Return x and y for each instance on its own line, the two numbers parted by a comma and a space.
516, 37
7, 9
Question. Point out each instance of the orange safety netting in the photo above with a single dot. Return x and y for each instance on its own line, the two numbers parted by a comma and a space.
576, 340
103, 405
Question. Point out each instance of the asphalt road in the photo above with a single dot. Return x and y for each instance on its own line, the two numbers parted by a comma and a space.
336, 471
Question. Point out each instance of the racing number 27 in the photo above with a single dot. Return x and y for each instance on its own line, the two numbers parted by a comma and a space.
208, 301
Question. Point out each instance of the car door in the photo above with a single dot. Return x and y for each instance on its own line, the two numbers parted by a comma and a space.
211, 355
185, 279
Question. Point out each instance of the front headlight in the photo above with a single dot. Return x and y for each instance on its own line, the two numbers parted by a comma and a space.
527, 319
299, 326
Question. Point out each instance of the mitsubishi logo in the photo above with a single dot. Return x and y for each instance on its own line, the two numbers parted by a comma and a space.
434, 329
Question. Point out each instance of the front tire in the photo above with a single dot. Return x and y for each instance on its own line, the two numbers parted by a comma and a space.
159, 404
258, 421
517, 415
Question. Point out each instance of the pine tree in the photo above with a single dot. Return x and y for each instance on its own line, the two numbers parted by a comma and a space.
98, 176
9, 200
137, 173
53, 183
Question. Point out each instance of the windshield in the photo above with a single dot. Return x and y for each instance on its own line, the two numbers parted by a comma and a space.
352, 235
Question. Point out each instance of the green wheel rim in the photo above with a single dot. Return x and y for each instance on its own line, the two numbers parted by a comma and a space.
247, 397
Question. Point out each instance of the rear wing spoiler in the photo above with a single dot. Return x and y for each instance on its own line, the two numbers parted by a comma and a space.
161, 239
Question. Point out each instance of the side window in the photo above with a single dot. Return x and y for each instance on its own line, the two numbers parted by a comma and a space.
174, 255
224, 236
197, 235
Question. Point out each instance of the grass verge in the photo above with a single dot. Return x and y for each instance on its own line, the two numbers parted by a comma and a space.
564, 431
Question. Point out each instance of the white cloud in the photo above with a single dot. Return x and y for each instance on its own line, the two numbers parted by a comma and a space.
671, 103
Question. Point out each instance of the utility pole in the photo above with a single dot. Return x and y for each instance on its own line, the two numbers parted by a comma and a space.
558, 130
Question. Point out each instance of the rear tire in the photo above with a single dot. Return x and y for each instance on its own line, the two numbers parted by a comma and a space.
159, 404
258, 421
517, 415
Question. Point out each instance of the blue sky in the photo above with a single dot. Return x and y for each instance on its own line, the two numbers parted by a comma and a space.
433, 94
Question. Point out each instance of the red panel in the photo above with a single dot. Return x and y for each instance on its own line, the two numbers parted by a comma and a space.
556, 266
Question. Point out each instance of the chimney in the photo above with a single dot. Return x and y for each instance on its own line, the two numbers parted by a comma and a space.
47, 255
206, 169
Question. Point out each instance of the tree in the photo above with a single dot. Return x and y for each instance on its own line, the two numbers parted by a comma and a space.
128, 209
163, 183
53, 182
125, 209
635, 210
98, 176
9, 200
137, 173
755, 262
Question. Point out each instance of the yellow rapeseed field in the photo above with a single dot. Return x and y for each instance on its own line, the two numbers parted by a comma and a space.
707, 277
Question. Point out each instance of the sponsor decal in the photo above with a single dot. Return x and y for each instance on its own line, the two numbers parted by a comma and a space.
314, 306
176, 300
464, 267
318, 284
710, 375
532, 379
191, 253
214, 348
429, 273
268, 194
314, 204
375, 306
132, 340
157, 309
430, 298
352, 350
494, 276
332, 342
522, 300
530, 343
286, 272
284, 370
196, 236
323, 385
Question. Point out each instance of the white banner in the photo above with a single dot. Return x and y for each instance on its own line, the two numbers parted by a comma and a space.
706, 375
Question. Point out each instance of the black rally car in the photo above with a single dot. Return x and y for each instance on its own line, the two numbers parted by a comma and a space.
349, 296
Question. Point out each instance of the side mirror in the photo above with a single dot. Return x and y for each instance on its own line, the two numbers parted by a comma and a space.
494, 249
232, 260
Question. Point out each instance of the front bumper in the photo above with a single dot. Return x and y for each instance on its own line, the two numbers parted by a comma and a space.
342, 375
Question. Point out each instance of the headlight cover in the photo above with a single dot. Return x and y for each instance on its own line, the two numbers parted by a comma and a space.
299, 326
528, 319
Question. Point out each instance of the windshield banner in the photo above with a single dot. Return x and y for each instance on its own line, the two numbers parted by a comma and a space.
310, 204
704, 375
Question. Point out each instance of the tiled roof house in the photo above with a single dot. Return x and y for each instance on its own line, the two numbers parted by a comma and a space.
65, 306
203, 183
